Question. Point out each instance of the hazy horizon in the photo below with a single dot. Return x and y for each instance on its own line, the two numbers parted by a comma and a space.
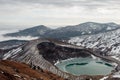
6, 30
17, 28
53, 13
17, 15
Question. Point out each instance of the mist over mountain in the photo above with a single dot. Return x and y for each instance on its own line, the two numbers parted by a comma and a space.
99, 42
86, 28
38, 31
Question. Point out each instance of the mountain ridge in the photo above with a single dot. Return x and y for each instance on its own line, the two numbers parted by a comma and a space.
86, 28
33, 31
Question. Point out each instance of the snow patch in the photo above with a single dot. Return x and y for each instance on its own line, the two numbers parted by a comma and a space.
117, 58
109, 28
12, 53
83, 33
104, 78
16, 75
116, 76
6, 56
94, 57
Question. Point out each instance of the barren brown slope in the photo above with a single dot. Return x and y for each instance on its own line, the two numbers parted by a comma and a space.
11, 70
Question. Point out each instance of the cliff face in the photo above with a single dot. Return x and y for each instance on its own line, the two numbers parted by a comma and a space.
43, 53
53, 52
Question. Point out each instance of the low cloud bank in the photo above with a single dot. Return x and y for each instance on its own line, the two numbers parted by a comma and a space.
3, 38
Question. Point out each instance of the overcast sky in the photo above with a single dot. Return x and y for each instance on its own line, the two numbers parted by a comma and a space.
27, 13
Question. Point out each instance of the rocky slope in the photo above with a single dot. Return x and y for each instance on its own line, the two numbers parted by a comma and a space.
11, 70
43, 53
107, 42
11, 43
6, 46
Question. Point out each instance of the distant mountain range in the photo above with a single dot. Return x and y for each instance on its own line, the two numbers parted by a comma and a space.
38, 31
87, 28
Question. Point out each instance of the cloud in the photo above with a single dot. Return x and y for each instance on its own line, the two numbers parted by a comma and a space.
84, 3
2, 38
57, 12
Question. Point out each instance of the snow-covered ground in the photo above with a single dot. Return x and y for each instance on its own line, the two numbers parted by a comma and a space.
109, 42
104, 78
11, 53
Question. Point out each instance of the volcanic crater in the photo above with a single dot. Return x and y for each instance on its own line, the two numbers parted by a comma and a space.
46, 53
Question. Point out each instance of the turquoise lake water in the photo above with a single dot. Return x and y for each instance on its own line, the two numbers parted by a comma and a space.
85, 66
